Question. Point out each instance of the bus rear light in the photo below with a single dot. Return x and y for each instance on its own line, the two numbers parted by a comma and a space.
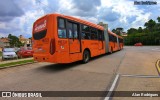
52, 46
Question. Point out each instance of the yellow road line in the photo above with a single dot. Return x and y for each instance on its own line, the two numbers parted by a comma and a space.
158, 66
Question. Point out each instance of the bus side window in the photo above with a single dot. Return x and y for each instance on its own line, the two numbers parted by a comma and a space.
110, 37
115, 39
73, 30
85, 32
70, 30
103, 38
94, 34
100, 35
85, 35
61, 28
75, 26
119, 40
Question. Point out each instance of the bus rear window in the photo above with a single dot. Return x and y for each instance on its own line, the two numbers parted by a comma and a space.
39, 35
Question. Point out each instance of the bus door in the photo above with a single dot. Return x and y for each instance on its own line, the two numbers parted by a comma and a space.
100, 39
73, 34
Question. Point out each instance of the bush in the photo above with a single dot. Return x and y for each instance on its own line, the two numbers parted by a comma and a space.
152, 38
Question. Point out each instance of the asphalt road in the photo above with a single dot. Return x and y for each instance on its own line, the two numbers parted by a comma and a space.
97, 75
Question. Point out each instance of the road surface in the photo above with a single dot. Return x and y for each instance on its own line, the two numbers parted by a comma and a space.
98, 75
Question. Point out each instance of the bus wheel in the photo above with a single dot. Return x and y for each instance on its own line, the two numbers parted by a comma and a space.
86, 56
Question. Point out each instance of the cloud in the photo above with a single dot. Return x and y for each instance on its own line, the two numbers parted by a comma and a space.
8, 28
3, 35
27, 20
131, 19
17, 17
120, 13
123, 13
140, 20
82, 8
86, 5
9, 10
107, 14
21, 24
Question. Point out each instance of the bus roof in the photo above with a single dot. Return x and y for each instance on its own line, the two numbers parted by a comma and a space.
110, 32
79, 20
120, 37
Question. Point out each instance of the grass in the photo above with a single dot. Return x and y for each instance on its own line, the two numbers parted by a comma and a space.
0, 53
16, 63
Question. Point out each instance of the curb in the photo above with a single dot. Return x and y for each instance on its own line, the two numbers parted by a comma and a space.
17, 65
15, 60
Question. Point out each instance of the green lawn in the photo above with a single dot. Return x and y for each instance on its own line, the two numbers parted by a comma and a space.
15, 63
0, 53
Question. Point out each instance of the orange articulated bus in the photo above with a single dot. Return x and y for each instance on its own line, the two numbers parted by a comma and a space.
59, 38
115, 42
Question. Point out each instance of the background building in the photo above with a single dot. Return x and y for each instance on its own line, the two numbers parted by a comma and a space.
104, 25
124, 34
4, 42
25, 41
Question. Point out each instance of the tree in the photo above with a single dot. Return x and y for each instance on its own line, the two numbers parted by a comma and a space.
150, 25
9, 35
14, 41
132, 30
119, 30
140, 30
147, 36
158, 19
157, 26
114, 31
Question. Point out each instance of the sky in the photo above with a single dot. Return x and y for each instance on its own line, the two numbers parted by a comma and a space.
18, 16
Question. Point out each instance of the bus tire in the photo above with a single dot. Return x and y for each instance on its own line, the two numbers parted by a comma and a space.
86, 56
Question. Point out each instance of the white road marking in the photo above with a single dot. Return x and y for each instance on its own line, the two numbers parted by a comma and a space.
141, 76
156, 49
112, 87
